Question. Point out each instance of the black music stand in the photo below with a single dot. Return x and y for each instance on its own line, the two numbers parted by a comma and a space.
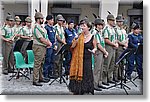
16, 47
120, 62
61, 76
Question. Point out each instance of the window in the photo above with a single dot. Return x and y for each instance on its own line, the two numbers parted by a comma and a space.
62, 5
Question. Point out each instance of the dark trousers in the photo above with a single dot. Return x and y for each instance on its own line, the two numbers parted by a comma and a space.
48, 68
139, 61
66, 63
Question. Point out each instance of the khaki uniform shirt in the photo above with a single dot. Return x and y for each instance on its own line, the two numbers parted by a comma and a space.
26, 31
39, 32
17, 30
7, 32
60, 31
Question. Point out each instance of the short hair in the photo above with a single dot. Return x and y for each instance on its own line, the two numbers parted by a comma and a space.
89, 24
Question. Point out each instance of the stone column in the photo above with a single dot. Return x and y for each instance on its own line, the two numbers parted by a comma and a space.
35, 4
108, 5
1, 14
44, 8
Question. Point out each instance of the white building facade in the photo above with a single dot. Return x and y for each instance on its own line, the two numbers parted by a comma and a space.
74, 9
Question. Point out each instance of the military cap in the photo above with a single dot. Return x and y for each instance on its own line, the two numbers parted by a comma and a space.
98, 21
135, 26
119, 18
85, 19
71, 21
17, 18
9, 18
111, 17
60, 18
38, 15
81, 21
28, 19
49, 17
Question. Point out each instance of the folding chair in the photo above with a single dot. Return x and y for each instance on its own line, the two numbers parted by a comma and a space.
20, 64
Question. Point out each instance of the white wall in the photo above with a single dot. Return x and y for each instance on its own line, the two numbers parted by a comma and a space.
108, 5
1, 14
86, 10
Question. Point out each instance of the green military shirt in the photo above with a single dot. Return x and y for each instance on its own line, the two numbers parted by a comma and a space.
60, 31
7, 32
93, 31
17, 30
98, 36
39, 32
79, 31
121, 34
109, 32
26, 31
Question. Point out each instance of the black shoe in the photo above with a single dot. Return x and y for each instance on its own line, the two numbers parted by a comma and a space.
102, 87
5, 72
141, 77
47, 78
37, 84
112, 82
125, 79
107, 84
129, 77
10, 71
44, 81
52, 77
98, 89
116, 80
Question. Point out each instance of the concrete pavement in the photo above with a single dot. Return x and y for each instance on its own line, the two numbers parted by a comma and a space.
24, 86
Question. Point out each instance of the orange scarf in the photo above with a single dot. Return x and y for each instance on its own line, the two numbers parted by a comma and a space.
76, 68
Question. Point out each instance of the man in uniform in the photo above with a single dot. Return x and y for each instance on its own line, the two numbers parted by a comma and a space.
40, 43
26, 35
48, 69
98, 58
17, 27
17, 31
60, 41
111, 43
7, 43
122, 42
135, 40
70, 33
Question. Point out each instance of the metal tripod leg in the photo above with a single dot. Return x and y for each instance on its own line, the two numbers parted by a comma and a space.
17, 73
122, 85
53, 81
60, 76
125, 90
132, 82
24, 75
12, 76
135, 78
129, 80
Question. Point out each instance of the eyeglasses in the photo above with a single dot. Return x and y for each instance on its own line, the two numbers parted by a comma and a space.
60, 20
